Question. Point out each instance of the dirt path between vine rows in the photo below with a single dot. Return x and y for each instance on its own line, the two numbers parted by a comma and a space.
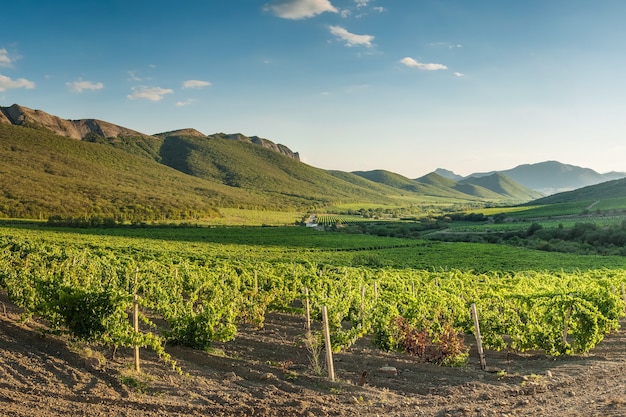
267, 372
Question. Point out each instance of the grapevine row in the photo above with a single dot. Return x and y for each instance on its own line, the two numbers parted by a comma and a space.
88, 293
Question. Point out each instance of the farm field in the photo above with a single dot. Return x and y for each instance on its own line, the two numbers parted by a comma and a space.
550, 323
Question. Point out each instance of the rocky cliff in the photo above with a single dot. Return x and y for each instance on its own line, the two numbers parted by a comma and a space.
266, 143
75, 129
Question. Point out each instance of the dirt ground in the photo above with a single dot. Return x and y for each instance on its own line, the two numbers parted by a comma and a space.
268, 372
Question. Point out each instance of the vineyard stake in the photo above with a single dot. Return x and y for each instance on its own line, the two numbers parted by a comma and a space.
479, 343
362, 300
256, 282
329, 349
624, 295
307, 311
136, 320
568, 313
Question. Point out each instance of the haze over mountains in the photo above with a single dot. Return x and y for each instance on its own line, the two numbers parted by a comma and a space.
64, 167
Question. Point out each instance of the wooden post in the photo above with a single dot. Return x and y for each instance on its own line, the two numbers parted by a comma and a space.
375, 290
136, 320
624, 295
329, 348
256, 282
568, 313
479, 342
413, 288
307, 311
362, 301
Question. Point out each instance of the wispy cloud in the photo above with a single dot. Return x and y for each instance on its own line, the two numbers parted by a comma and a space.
447, 45
185, 103
459, 74
80, 86
149, 93
362, 8
410, 62
7, 83
5, 59
351, 38
299, 9
133, 76
196, 84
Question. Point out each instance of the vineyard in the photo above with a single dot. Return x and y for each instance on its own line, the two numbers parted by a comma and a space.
338, 220
199, 297
221, 312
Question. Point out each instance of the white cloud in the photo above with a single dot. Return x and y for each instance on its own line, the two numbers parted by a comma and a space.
196, 84
410, 62
7, 83
149, 93
80, 85
378, 9
459, 74
361, 3
5, 59
299, 9
351, 38
185, 103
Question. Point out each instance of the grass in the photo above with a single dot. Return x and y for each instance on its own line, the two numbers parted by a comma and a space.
247, 217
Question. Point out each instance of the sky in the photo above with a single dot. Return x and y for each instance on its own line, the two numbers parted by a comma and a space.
407, 86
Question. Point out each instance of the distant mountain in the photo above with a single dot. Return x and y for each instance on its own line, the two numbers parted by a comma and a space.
503, 185
552, 177
496, 187
448, 174
394, 180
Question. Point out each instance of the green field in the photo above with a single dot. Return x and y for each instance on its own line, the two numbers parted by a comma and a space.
305, 245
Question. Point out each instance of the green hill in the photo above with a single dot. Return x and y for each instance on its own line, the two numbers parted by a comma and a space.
496, 187
263, 171
168, 177
44, 174
502, 185
426, 186
91, 168
605, 190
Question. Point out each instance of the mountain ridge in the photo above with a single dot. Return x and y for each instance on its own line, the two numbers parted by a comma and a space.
75, 129
225, 170
82, 129
548, 177
495, 187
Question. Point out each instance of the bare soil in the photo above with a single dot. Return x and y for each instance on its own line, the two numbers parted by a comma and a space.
268, 372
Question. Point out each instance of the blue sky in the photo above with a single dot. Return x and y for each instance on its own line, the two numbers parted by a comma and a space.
403, 85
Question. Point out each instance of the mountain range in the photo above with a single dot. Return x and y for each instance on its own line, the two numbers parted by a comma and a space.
53, 166
548, 177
